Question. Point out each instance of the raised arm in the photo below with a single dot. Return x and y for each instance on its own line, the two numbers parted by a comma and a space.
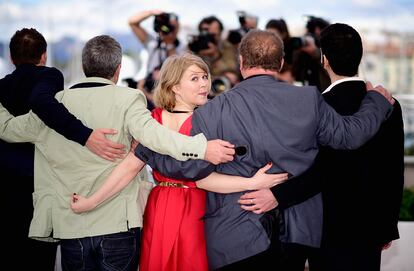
135, 23
222, 183
120, 177
55, 115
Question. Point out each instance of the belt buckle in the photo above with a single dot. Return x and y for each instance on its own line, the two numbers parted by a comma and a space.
171, 184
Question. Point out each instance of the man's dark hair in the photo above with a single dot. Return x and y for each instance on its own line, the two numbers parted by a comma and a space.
314, 22
27, 46
262, 49
280, 25
209, 20
342, 46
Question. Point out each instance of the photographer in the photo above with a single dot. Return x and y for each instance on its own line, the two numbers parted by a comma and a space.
306, 66
247, 22
280, 28
159, 48
219, 54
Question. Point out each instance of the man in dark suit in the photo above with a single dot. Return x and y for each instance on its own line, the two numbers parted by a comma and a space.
269, 121
361, 189
32, 86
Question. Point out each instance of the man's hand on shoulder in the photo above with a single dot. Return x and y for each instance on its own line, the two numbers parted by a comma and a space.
381, 90
103, 147
219, 151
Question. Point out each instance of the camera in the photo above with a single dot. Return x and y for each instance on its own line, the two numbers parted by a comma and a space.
200, 42
299, 42
162, 22
149, 83
235, 36
242, 17
219, 85
131, 83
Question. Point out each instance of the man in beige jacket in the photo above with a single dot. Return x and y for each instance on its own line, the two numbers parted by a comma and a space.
107, 237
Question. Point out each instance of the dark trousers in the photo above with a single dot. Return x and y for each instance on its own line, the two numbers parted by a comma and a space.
355, 258
294, 257
21, 252
110, 252
268, 260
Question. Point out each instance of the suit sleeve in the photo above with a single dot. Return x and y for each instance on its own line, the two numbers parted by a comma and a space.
394, 172
301, 187
351, 132
24, 128
159, 138
203, 121
53, 113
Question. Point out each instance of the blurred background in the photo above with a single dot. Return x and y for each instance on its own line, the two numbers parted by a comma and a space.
386, 26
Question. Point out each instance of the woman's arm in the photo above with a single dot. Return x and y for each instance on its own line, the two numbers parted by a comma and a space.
120, 177
222, 183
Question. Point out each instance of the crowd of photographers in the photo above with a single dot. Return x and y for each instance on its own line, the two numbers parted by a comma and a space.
219, 51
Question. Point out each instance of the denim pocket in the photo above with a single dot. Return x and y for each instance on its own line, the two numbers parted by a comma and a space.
71, 254
120, 250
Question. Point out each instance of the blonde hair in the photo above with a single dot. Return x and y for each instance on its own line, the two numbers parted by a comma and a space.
171, 72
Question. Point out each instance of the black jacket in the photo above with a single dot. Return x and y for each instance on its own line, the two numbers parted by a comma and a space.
31, 87
361, 189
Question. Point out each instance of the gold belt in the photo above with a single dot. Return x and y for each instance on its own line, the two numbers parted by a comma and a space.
171, 184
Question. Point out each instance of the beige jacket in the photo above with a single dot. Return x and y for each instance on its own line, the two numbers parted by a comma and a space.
63, 167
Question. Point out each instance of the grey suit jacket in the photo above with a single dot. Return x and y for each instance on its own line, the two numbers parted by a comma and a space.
277, 122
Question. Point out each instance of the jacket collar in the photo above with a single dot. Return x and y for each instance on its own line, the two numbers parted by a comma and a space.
95, 80
341, 81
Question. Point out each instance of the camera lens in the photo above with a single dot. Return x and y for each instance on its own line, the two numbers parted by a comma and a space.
220, 85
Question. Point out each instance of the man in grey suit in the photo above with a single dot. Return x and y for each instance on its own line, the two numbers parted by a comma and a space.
268, 121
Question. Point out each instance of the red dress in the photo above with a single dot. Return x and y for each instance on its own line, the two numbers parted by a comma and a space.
173, 231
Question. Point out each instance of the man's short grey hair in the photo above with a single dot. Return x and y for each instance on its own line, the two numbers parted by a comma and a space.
101, 56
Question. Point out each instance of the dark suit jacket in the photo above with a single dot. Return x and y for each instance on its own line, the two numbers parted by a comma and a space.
362, 189
34, 87
276, 122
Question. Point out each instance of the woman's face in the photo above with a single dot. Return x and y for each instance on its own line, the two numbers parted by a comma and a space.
193, 87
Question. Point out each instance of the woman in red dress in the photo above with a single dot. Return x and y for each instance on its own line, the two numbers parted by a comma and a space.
173, 228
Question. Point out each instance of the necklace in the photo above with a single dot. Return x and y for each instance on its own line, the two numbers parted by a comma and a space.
179, 111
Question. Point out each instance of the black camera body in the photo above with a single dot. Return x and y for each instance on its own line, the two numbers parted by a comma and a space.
235, 36
162, 23
299, 42
200, 42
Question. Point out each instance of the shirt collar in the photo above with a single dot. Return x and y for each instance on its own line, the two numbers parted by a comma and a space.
341, 81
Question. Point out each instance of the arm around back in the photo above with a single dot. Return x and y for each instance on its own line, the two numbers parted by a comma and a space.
158, 138
53, 113
351, 132
24, 128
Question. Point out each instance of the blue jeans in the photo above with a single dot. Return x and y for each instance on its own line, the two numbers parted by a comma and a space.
110, 252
